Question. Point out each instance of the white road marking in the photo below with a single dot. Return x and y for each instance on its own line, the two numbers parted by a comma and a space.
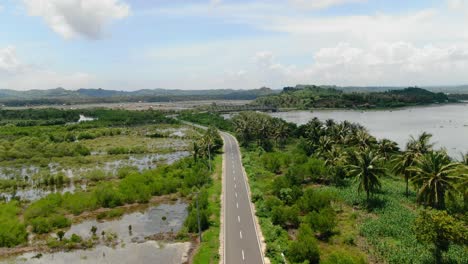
237, 205
236, 194
235, 186
240, 234
234, 177
238, 219
243, 256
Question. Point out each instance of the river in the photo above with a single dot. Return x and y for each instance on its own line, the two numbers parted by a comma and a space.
447, 123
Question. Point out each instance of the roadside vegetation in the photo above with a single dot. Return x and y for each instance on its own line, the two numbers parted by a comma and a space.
331, 193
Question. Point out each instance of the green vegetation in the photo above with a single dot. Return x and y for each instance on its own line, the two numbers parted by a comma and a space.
208, 251
313, 184
60, 96
311, 96
12, 231
114, 135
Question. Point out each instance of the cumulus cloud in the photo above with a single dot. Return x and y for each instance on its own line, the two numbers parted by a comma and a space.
397, 63
72, 18
17, 75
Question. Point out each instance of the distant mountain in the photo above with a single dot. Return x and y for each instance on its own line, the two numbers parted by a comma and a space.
88, 95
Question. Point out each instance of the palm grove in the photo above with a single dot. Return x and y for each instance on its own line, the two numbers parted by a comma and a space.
299, 175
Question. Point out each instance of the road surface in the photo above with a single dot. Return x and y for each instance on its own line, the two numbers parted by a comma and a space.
241, 241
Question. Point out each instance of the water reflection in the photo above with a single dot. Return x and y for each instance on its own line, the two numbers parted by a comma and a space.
143, 224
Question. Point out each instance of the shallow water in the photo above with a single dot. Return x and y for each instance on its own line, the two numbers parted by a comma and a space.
141, 162
33, 194
143, 224
447, 123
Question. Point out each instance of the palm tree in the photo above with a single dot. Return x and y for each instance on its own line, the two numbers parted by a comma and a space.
367, 170
402, 166
436, 176
421, 144
386, 148
324, 145
363, 139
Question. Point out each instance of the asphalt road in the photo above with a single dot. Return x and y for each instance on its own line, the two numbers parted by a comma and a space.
241, 241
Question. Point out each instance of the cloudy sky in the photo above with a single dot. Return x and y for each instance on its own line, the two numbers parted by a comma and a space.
209, 44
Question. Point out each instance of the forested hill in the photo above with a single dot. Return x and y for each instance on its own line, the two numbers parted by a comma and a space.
311, 96
84, 96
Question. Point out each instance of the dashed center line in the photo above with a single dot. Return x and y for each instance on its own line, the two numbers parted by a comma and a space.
243, 256
236, 194
238, 219
235, 186
237, 205
240, 234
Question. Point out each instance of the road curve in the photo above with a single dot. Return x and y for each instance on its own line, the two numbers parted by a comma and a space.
241, 240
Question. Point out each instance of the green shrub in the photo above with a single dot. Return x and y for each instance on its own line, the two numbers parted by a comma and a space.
135, 188
192, 221
12, 231
76, 238
107, 195
323, 221
343, 257
305, 248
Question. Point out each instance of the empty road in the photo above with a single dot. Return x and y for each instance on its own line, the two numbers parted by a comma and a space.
241, 241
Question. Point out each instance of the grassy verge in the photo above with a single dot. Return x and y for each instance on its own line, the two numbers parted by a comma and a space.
208, 251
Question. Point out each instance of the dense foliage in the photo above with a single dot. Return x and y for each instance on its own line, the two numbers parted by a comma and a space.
310, 96
325, 166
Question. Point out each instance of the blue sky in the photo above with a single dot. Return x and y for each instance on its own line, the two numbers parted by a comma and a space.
210, 44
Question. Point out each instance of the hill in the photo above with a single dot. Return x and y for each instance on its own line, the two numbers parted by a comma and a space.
311, 96
60, 96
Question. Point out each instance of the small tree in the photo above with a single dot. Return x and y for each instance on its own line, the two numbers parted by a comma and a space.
60, 235
93, 230
439, 229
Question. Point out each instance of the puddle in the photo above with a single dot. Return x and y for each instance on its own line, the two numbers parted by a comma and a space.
144, 224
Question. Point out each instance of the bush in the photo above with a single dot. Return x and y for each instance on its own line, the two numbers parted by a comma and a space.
76, 238
12, 231
107, 195
313, 200
192, 221
323, 221
343, 257
79, 202
44, 207
43, 225
285, 216
305, 248
134, 188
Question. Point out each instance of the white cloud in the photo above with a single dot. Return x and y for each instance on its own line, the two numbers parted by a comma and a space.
8, 61
72, 18
19, 76
322, 4
397, 63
